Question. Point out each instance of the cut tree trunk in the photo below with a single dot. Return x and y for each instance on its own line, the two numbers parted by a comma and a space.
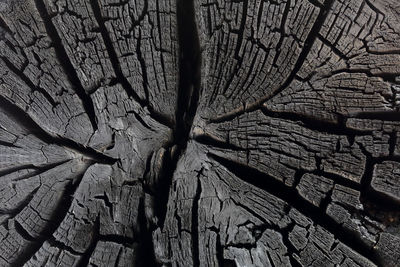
199, 133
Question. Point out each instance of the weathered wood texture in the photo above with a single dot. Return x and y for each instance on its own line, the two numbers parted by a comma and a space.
199, 133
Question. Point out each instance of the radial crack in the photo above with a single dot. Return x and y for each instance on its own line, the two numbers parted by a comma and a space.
66, 63
290, 196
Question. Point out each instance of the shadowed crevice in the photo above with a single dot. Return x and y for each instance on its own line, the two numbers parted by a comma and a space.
188, 94
187, 104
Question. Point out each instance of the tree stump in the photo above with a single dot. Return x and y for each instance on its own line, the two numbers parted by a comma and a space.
199, 133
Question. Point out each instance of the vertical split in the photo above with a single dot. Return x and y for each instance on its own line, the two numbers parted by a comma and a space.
188, 96
187, 103
189, 70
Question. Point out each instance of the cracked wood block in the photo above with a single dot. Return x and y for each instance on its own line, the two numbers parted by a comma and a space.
386, 179
199, 133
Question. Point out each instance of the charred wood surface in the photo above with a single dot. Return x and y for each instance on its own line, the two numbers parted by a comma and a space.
199, 133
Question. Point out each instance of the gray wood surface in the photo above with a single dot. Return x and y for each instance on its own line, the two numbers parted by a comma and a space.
200, 133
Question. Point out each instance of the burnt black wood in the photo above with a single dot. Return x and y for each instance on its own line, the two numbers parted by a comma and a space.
199, 133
